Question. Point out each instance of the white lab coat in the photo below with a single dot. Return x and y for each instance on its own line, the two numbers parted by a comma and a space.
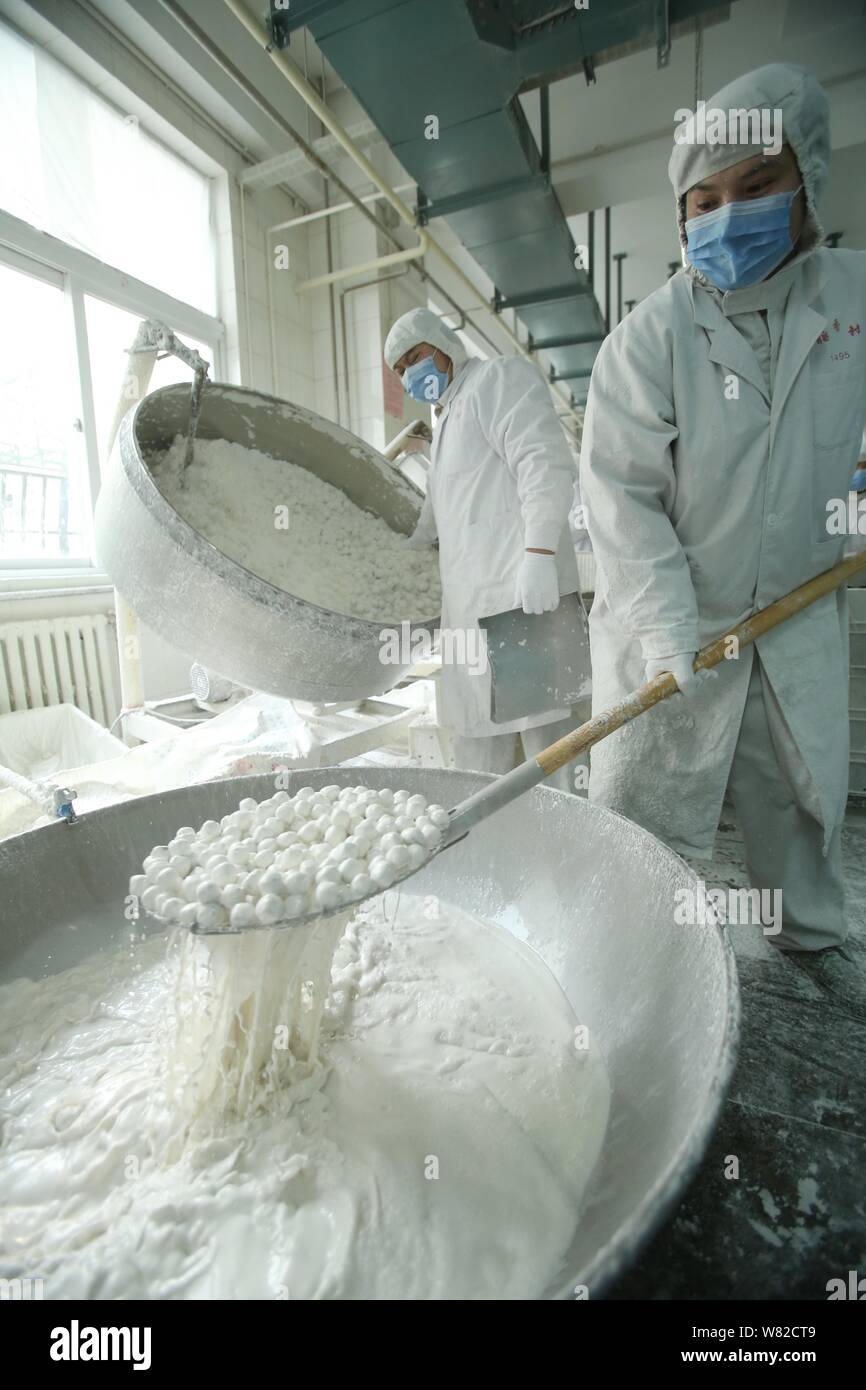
501, 479
703, 508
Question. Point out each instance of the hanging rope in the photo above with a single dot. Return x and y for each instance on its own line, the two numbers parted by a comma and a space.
699, 61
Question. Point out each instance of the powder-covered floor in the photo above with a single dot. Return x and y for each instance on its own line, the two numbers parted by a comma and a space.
795, 1118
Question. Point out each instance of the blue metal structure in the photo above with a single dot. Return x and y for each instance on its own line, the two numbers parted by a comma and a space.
441, 80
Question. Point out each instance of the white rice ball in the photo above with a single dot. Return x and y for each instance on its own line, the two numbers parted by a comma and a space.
362, 886
328, 896
211, 916
269, 908
381, 872
272, 882
243, 915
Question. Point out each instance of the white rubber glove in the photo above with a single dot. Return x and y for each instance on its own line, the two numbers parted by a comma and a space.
681, 667
538, 583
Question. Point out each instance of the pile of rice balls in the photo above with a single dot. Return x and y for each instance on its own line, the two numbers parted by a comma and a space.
289, 856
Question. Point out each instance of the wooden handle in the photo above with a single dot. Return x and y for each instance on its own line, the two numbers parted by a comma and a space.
663, 685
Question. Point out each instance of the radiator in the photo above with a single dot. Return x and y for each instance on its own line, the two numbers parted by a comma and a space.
55, 661
586, 571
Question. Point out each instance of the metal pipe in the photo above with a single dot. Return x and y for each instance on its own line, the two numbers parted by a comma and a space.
237, 76
140, 363
275, 373
336, 208
544, 105
318, 107
590, 248
40, 793
416, 429
344, 339
342, 395
619, 258
607, 268
412, 253
249, 332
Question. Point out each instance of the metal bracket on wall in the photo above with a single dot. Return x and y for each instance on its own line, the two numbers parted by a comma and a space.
569, 340
277, 25
522, 301
287, 15
569, 376
459, 202
663, 33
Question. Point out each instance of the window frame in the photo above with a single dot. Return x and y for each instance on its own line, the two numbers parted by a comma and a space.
77, 273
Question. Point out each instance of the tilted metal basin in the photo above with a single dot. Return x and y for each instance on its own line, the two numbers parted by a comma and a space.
199, 599
591, 893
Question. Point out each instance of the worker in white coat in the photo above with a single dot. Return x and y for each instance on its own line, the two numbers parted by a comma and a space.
500, 488
724, 419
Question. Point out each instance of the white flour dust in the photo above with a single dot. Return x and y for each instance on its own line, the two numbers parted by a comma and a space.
164, 1135
319, 547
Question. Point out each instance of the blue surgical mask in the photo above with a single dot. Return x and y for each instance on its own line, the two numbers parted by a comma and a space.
739, 244
423, 381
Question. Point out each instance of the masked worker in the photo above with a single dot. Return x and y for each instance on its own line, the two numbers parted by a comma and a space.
500, 488
724, 414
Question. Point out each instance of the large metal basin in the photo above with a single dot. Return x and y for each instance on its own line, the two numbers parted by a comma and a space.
592, 893
208, 605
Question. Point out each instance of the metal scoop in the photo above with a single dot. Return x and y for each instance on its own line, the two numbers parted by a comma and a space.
511, 785
154, 336
196, 392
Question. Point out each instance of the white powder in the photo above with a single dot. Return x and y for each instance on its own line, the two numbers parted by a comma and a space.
436, 1145
299, 533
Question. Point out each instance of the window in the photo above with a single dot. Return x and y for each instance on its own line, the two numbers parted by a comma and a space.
71, 166
43, 478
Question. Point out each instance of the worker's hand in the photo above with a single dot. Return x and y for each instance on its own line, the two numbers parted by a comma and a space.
537, 583
681, 667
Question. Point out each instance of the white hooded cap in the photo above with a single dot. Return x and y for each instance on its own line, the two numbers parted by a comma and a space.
805, 126
422, 326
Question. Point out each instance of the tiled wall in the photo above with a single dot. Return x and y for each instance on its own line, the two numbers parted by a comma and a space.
357, 403
269, 342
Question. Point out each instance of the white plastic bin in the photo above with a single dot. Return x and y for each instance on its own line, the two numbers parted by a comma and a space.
36, 743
